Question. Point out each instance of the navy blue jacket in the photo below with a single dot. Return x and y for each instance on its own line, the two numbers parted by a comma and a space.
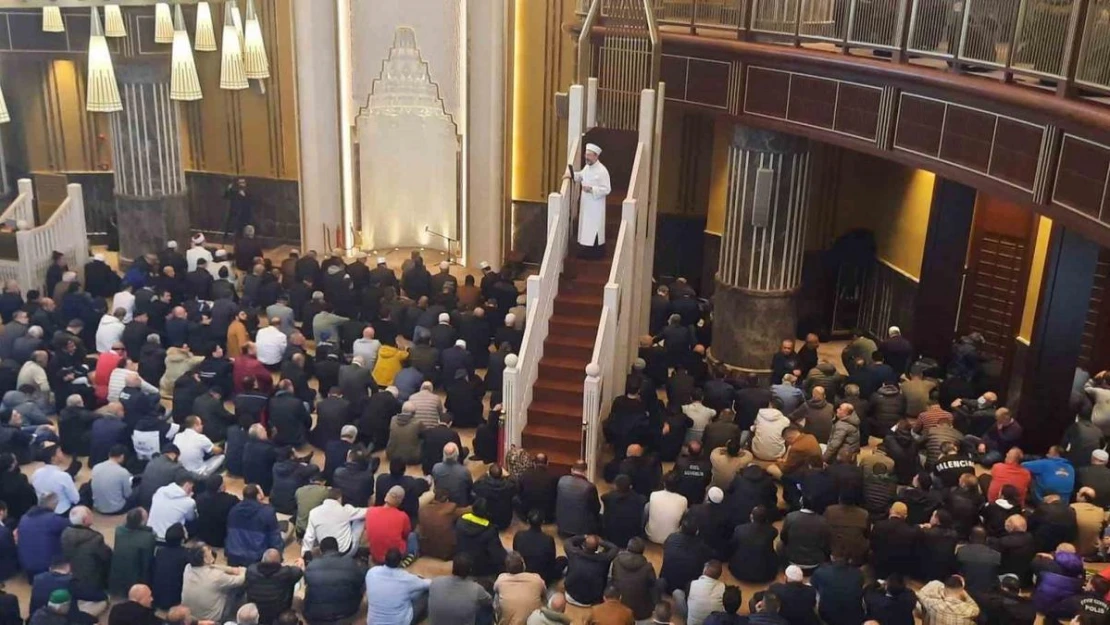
252, 528
40, 539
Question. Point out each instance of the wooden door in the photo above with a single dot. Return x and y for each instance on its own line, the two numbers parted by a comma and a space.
1094, 351
999, 257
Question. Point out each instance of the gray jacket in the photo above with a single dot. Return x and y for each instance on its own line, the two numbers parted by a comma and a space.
454, 478
845, 435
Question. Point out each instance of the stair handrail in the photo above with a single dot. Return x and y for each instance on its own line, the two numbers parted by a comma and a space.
64, 232
612, 355
22, 207
522, 369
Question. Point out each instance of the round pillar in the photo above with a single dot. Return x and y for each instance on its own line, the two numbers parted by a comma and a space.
760, 266
149, 174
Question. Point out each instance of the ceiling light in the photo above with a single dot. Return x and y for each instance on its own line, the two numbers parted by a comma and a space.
233, 75
206, 35
52, 20
184, 82
102, 93
254, 49
163, 23
113, 21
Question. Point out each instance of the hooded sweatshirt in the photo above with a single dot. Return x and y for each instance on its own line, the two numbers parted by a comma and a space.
767, 443
634, 576
171, 504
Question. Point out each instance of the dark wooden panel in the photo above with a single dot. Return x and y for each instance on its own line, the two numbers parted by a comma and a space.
1016, 150
277, 211
767, 92
1081, 176
812, 101
707, 83
672, 71
888, 299
968, 134
918, 126
857, 110
26, 33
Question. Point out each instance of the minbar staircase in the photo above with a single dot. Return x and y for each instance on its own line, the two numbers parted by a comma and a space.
555, 415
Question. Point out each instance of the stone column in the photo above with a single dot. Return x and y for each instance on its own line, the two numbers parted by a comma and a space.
316, 47
149, 174
760, 267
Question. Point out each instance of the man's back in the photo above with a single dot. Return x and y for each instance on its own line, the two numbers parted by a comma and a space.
455, 601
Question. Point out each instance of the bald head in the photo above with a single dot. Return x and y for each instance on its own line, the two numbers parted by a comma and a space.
557, 602
271, 556
141, 594
819, 392
368, 333
451, 452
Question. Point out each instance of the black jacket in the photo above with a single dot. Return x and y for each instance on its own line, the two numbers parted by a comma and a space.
537, 491
74, 423
377, 412
289, 475
479, 538
211, 523
498, 493
332, 413
258, 462
901, 448
892, 609
587, 573
215, 417
167, 575
356, 480
750, 488
90, 559
622, 517
289, 418
334, 588
270, 587
684, 557
538, 551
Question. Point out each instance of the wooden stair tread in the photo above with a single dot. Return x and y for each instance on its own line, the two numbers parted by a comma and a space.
564, 363
558, 408
559, 385
554, 431
570, 341
586, 321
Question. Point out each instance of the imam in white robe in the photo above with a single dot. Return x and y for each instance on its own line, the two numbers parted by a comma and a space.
591, 209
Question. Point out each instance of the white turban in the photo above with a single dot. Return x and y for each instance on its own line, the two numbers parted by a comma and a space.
98, 257
381, 260
444, 265
483, 265
510, 319
172, 245
592, 147
198, 239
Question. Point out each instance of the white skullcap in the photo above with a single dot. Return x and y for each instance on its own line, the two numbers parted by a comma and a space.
510, 319
348, 431
716, 495
198, 239
592, 147
894, 330
794, 573
483, 265
393, 390
172, 245
69, 276
444, 318
444, 265
381, 260
99, 257
522, 299
460, 343
360, 255
221, 253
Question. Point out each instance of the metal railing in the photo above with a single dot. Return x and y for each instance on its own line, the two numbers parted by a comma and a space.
612, 355
1064, 41
64, 232
521, 370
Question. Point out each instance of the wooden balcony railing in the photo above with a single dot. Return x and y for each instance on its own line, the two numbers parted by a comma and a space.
1059, 44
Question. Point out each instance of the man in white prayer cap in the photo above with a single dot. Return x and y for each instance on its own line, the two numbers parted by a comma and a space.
196, 252
443, 277
591, 211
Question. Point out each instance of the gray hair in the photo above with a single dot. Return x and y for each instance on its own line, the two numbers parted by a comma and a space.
427, 386
318, 295
48, 500
451, 452
34, 332
153, 339
348, 432
257, 431
80, 515
408, 407
248, 614
75, 400
248, 232
395, 496
358, 360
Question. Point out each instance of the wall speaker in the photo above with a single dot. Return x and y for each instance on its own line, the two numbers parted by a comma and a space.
761, 200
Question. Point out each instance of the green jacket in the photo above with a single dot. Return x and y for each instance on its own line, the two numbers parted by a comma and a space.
131, 559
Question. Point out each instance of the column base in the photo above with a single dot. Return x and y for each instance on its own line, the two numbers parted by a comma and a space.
749, 326
146, 224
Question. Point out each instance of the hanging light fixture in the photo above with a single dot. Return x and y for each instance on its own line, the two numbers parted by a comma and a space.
232, 6
102, 93
206, 35
52, 20
233, 75
184, 82
113, 21
163, 23
5, 117
254, 49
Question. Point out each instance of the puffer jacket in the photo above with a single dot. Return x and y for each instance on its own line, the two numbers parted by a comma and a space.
750, 488
767, 442
845, 435
91, 559
819, 417
587, 572
252, 528
1058, 582
888, 406
333, 588
178, 362
634, 576
390, 361
824, 375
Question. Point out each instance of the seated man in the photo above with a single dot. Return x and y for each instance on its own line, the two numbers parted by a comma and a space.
393, 595
198, 454
111, 484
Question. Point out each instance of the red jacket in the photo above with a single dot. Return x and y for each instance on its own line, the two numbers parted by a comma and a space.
105, 364
1003, 474
247, 366
386, 528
